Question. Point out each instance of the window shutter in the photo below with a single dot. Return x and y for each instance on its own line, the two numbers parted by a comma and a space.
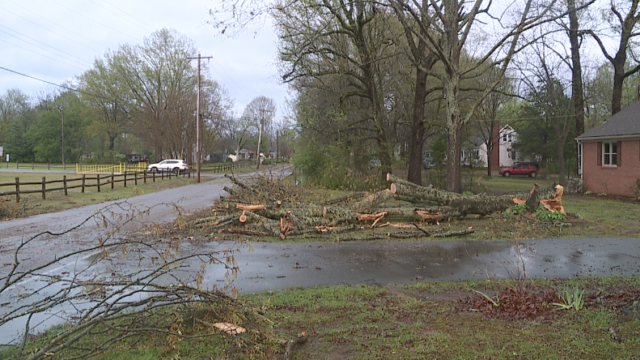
599, 154
619, 153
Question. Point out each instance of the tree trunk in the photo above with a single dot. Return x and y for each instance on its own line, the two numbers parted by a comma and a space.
417, 129
618, 80
454, 145
562, 179
259, 143
577, 95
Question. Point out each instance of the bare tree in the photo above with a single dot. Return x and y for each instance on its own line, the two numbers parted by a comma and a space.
262, 110
622, 17
446, 27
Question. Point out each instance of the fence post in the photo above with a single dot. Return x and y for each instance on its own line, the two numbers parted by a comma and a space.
98, 178
125, 178
144, 175
161, 174
112, 181
44, 188
84, 178
153, 174
17, 189
64, 183
135, 179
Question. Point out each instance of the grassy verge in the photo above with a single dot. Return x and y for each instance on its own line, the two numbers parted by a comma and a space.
32, 204
411, 321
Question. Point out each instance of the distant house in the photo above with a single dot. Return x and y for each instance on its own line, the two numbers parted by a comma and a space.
506, 156
609, 154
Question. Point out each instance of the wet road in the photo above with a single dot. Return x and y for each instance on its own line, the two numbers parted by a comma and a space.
279, 266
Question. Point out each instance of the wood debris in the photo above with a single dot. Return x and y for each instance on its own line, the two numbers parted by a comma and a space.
262, 206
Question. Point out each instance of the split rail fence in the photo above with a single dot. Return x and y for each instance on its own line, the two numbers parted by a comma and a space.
100, 181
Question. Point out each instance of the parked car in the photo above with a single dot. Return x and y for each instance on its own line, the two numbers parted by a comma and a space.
522, 168
175, 165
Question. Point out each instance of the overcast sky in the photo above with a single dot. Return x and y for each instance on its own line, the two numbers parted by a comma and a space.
57, 40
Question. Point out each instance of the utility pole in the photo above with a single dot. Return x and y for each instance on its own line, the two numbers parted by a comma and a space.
198, 160
62, 134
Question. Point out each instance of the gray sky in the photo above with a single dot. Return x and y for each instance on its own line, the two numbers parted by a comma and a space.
56, 40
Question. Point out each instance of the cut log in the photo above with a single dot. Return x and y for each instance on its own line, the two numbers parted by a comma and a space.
555, 204
251, 207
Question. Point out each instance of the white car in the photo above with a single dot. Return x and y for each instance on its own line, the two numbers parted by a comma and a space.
176, 165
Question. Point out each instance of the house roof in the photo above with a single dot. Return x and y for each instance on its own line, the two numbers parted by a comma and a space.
623, 124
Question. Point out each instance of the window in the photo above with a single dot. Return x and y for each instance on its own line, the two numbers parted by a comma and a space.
504, 138
609, 154
580, 158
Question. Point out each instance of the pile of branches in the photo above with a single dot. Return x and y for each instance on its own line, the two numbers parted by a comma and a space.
266, 207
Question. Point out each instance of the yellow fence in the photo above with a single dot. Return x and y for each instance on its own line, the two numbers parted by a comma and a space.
120, 168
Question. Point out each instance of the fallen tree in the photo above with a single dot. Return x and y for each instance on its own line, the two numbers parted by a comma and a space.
266, 207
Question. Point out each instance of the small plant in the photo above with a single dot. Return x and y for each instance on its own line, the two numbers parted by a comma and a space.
495, 303
571, 299
544, 214
515, 210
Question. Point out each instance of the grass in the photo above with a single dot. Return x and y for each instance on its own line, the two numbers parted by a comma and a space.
409, 321
32, 204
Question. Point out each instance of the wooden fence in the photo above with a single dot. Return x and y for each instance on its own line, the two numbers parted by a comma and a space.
85, 181
121, 168
218, 168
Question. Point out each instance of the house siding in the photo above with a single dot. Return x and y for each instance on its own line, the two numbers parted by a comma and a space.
611, 180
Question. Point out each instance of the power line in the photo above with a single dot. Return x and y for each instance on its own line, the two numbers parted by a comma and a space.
49, 30
48, 57
53, 32
54, 84
39, 47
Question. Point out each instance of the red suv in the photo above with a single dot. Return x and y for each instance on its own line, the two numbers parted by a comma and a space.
522, 168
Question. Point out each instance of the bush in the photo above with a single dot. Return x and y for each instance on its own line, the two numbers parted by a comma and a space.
331, 167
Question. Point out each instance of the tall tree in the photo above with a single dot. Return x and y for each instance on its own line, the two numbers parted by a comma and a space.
262, 110
423, 61
622, 17
447, 27
105, 92
548, 99
575, 35
350, 40
161, 82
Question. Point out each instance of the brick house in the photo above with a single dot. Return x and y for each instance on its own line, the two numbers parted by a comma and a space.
609, 154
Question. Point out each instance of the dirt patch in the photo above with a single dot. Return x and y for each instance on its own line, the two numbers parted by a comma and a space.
539, 304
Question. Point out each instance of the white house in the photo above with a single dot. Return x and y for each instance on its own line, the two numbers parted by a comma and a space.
507, 156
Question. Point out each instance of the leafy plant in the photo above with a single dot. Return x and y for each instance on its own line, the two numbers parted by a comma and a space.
495, 303
515, 210
571, 299
544, 214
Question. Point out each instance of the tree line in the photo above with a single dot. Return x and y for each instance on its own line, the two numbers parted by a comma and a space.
136, 99
393, 79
